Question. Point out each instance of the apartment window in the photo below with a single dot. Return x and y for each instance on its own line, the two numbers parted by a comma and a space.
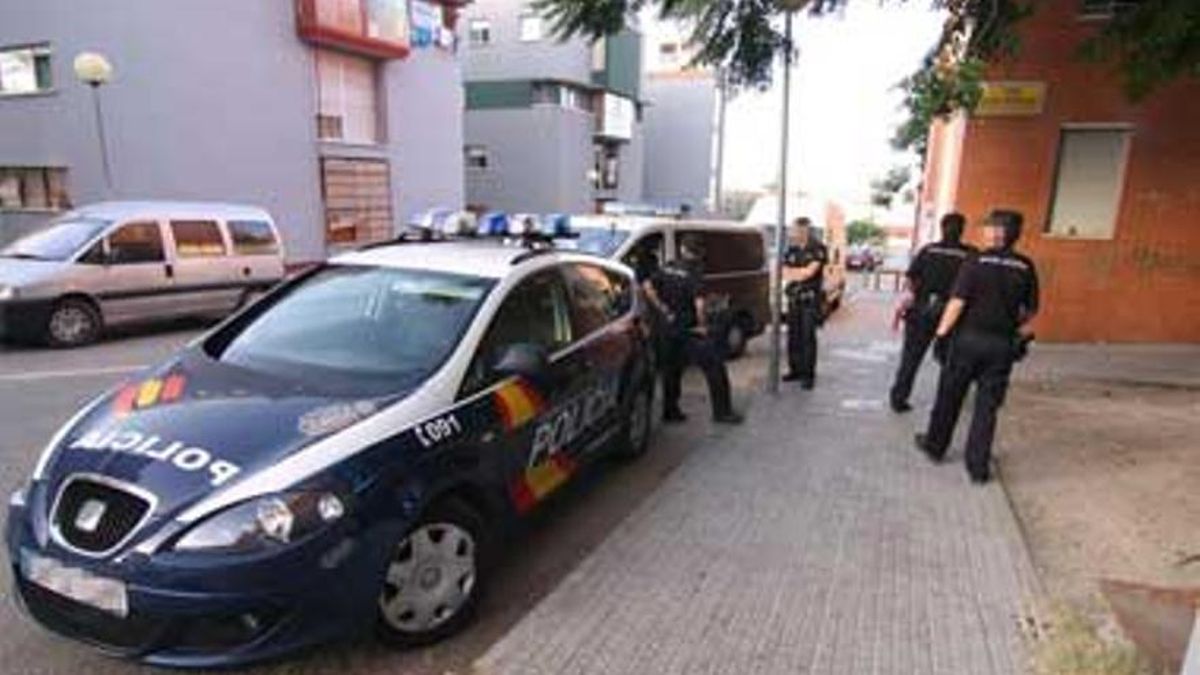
668, 48
25, 70
347, 108
531, 28
547, 93
607, 166
479, 32
358, 199
599, 55
1088, 182
33, 188
477, 157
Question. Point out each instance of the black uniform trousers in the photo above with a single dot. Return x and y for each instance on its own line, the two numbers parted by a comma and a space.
985, 360
679, 350
804, 316
919, 329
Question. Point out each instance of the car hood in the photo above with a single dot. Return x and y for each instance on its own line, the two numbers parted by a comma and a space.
193, 426
20, 272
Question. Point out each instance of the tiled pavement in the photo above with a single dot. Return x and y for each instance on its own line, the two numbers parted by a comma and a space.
812, 540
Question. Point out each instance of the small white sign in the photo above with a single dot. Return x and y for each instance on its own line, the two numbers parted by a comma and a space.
617, 115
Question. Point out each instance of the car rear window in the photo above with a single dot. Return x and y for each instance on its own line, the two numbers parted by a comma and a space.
253, 237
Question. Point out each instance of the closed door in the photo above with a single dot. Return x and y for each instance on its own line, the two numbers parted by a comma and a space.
205, 279
128, 273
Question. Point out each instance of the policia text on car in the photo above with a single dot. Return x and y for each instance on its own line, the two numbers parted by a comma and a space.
803, 272
930, 278
981, 334
675, 290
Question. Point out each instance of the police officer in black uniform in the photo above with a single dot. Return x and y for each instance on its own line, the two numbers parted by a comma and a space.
930, 277
804, 274
983, 331
675, 291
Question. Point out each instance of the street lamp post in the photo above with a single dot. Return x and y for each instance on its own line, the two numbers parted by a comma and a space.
94, 70
781, 227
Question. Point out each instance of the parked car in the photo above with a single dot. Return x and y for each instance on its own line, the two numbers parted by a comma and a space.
338, 457
736, 275
863, 258
121, 262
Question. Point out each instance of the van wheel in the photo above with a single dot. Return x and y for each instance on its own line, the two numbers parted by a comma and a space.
434, 578
73, 323
735, 339
634, 437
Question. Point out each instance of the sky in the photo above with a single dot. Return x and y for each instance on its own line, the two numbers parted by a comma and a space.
844, 102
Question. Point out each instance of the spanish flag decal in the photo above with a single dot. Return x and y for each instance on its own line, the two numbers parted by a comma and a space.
517, 402
540, 480
148, 393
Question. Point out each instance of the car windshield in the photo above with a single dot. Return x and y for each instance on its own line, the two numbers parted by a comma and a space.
59, 240
375, 330
601, 241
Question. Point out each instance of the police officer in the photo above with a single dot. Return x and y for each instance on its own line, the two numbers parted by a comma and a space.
930, 277
675, 291
983, 331
804, 274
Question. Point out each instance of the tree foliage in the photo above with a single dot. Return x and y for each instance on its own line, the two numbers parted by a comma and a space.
1149, 43
884, 190
864, 232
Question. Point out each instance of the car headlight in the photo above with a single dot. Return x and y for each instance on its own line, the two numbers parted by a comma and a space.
263, 522
8, 292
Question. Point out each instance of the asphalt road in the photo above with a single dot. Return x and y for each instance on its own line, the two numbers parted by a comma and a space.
41, 388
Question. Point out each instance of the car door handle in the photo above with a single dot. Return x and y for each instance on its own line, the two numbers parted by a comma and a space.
170, 270
245, 271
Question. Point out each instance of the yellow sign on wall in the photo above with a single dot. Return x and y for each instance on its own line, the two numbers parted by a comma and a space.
1012, 98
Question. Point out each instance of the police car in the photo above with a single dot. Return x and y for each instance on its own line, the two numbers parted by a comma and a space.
342, 454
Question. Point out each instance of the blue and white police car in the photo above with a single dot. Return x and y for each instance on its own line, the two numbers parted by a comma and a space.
340, 455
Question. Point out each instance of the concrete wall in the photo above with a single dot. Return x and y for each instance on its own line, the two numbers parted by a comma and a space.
507, 58
1142, 284
539, 158
216, 100
679, 129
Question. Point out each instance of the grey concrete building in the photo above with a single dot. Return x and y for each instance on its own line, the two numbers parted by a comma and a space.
680, 124
342, 117
551, 126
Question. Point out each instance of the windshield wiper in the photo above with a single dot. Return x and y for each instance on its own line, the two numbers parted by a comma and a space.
22, 256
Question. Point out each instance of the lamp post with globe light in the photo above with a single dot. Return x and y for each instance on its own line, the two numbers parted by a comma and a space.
94, 70
790, 7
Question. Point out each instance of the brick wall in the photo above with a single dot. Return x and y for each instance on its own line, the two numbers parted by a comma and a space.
1144, 283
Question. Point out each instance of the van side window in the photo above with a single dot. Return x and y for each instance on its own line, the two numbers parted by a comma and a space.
252, 237
134, 243
726, 252
197, 239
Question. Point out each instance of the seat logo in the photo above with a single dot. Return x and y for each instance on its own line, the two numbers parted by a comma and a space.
90, 515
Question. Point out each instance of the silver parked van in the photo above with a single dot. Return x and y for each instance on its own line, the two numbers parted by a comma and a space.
120, 262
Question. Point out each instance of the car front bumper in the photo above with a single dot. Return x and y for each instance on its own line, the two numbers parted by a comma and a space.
205, 611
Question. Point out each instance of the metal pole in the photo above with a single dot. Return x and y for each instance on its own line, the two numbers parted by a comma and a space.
719, 173
781, 226
108, 181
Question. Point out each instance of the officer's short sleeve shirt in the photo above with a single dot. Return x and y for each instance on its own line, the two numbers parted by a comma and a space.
1000, 289
802, 256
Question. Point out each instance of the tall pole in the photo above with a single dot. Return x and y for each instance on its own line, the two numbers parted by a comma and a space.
719, 169
108, 181
781, 225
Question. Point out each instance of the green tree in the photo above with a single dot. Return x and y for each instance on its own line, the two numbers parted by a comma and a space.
1148, 42
864, 232
884, 190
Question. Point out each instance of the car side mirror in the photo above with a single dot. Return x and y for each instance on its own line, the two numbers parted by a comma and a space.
523, 359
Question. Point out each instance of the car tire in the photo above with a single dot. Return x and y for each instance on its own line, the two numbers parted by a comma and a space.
73, 322
435, 577
636, 429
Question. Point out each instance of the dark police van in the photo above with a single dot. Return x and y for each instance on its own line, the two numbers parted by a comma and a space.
340, 455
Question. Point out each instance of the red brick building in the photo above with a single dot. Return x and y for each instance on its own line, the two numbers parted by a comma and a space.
1110, 189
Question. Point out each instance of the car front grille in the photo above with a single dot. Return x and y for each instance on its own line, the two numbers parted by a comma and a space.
95, 516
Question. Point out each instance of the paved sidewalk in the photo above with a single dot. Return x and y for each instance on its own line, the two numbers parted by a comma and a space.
812, 540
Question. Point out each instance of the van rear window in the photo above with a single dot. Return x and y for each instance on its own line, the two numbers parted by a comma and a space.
253, 237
